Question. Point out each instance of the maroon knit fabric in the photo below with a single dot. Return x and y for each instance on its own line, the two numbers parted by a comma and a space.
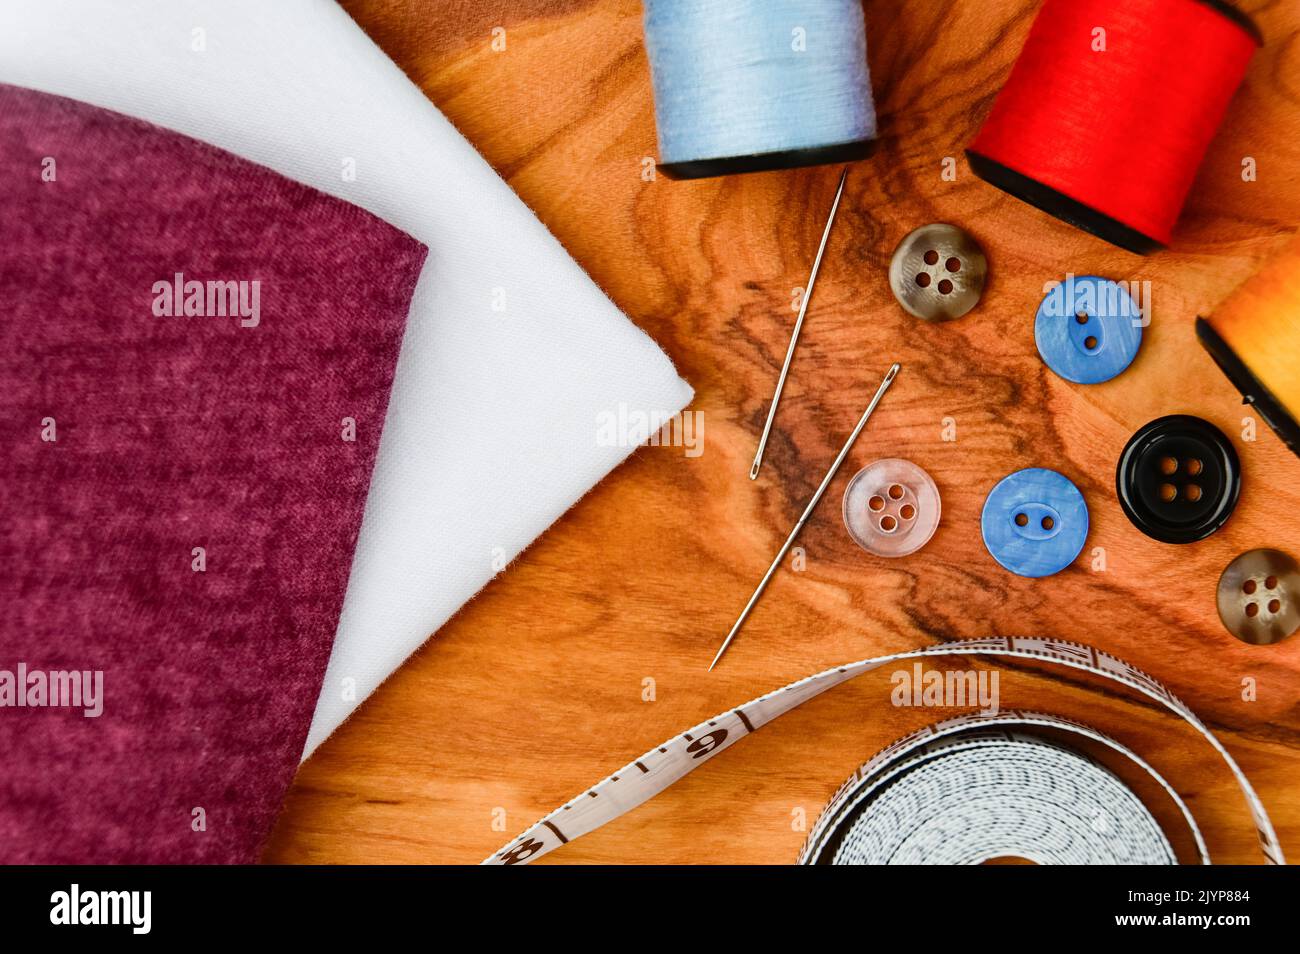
174, 432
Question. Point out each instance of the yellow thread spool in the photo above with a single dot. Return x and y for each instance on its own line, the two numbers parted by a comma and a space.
1254, 337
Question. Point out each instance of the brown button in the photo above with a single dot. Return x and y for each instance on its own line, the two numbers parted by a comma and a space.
938, 273
891, 508
1259, 596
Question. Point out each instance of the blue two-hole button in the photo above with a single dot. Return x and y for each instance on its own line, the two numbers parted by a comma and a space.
1088, 329
1035, 522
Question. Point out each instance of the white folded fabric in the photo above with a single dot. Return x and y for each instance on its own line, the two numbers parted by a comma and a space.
512, 354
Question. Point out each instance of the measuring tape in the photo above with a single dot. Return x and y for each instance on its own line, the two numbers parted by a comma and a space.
962, 791
975, 788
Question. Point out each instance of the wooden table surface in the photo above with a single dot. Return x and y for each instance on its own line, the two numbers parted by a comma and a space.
536, 689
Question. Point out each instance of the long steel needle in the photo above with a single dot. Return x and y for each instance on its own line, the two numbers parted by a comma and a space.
812, 504
798, 326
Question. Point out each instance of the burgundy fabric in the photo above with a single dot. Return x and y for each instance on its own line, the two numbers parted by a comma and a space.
174, 433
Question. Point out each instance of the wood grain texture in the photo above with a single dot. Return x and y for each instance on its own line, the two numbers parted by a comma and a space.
534, 690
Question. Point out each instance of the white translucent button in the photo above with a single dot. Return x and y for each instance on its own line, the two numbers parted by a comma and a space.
891, 508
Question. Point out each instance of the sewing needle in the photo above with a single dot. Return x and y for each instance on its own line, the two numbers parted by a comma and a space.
798, 326
812, 504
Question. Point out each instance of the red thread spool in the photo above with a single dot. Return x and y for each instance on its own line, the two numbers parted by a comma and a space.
1110, 140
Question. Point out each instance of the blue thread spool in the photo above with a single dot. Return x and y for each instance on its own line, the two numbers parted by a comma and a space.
752, 85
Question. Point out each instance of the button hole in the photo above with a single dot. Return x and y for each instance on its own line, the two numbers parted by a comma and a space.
876, 503
1194, 467
1252, 610
896, 492
931, 257
1022, 520
1274, 605
1192, 492
1090, 343
1168, 465
1249, 587
1168, 493
888, 524
1271, 583
923, 279
1048, 523
907, 512
1081, 317
953, 264
945, 287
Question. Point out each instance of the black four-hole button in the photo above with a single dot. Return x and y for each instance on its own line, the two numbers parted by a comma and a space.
1178, 479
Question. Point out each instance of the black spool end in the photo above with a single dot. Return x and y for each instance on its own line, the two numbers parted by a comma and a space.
768, 161
1252, 389
1060, 205
1237, 16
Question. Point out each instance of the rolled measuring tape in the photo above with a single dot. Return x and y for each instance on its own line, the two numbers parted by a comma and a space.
1110, 109
1254, 337
976, 788
1023, 796
751, 85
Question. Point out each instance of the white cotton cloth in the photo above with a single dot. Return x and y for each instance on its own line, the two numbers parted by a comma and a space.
511, 354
